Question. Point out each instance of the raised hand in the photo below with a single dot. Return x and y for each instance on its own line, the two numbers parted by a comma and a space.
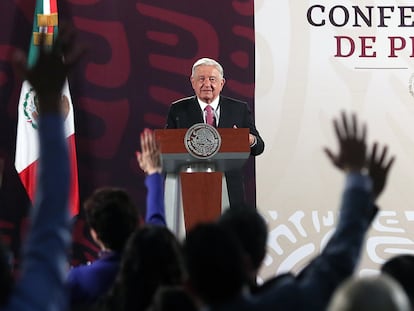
149, 159
378, 168
352, 146
47, 76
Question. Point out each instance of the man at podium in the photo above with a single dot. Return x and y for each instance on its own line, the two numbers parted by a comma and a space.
209, 106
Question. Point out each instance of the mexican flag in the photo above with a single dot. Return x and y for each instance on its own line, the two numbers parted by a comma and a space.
27, 147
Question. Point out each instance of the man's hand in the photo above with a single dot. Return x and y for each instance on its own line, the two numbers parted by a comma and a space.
149, 159
48, 74
352, 147
252, 138
378, 168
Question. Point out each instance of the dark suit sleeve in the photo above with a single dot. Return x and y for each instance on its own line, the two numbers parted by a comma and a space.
172, 119
258, 148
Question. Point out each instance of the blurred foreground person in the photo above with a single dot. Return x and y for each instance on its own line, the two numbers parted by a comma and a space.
41, 285
221, 262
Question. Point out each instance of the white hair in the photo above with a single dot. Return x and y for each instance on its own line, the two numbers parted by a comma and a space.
208, 62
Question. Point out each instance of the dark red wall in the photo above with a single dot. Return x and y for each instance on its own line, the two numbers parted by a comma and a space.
139, 60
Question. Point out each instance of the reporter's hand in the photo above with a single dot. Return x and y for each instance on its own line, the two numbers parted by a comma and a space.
149, 159
47, 76
352, 146
378, 168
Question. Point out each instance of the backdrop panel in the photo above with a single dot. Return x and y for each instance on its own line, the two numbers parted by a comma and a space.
139, 60
314, 59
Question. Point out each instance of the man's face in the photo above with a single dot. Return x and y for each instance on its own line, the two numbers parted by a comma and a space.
207, 83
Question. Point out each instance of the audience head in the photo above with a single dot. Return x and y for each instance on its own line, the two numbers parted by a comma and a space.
401, 269
152, 258
172, 298
111, 216
379, 293
251, 230
215, 263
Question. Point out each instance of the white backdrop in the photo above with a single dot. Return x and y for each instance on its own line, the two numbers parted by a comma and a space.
300, 86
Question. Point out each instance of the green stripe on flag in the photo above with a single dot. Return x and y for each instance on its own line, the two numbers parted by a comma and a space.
34, 49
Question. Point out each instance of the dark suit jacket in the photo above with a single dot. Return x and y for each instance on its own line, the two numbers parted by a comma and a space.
186, 112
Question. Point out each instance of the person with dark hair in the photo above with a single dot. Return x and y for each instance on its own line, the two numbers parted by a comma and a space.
112, 218
152, 258
251, 230
215, 262
170, 298
41, 284
401, 269
313, 287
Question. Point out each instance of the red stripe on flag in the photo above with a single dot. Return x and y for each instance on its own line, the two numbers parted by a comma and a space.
74, 185
53, 6
28, 178
53, 9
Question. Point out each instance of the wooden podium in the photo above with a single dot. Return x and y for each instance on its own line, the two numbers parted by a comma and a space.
195, 189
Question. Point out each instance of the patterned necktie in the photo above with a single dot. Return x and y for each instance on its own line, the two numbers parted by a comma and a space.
210, 115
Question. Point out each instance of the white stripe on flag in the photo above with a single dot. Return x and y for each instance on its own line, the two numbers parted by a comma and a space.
27, 148
46, 6
70, 120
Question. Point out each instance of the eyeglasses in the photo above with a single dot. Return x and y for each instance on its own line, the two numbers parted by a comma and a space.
212, 80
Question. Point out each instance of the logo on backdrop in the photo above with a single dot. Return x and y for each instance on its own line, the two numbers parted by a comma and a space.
202, 141
411, 85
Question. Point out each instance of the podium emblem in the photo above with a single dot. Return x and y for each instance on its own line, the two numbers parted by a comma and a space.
202, 141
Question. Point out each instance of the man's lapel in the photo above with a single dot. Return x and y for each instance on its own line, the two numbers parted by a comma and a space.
195, 113
225, 114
